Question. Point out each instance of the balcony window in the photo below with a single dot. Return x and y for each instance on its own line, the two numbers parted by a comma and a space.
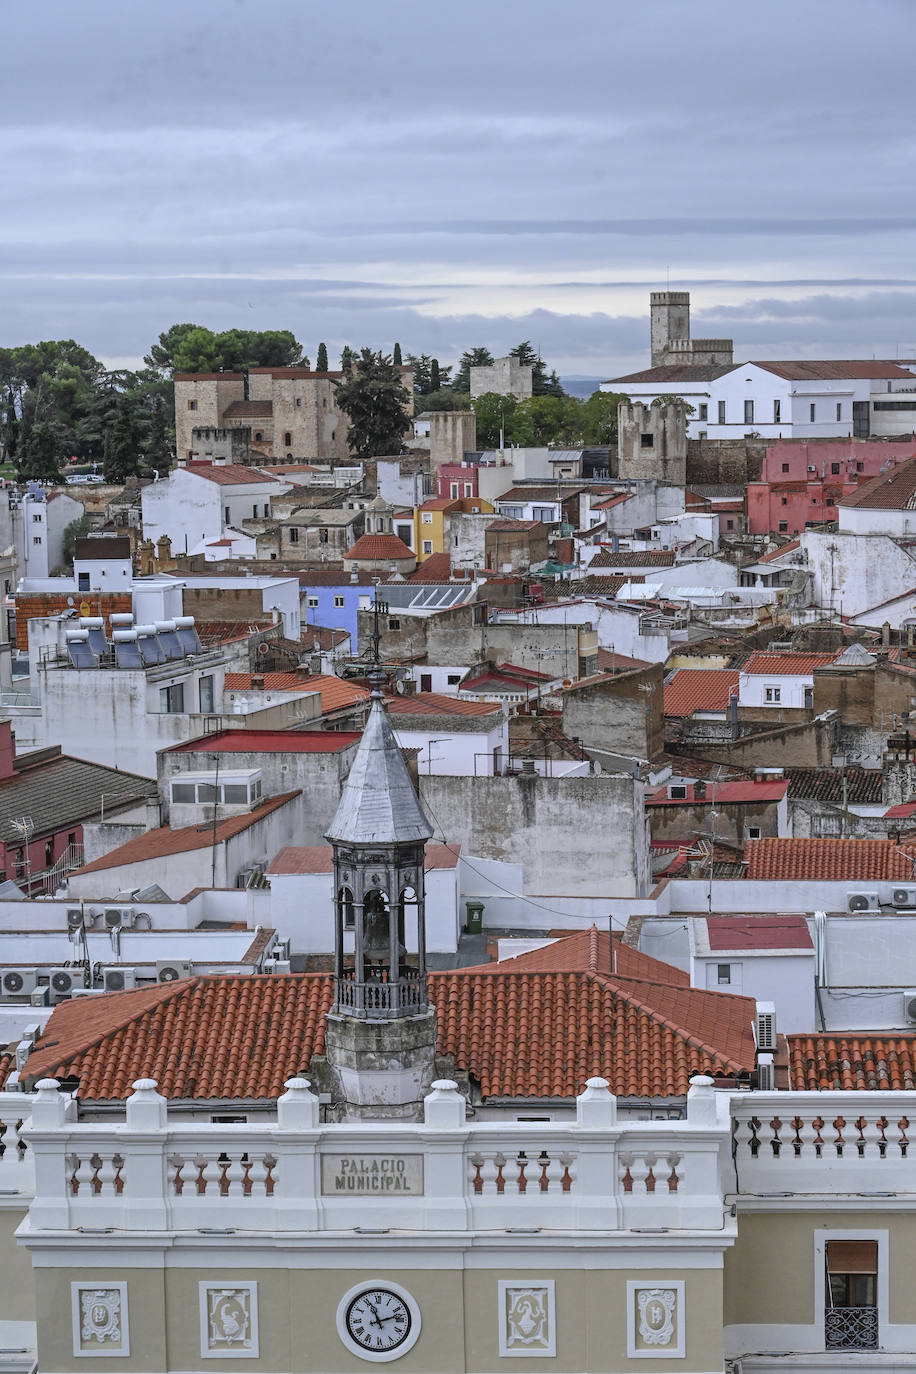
851, 1300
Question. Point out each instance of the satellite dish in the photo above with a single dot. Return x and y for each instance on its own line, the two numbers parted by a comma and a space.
70, 601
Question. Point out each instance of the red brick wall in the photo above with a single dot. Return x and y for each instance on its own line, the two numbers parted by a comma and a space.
38, 604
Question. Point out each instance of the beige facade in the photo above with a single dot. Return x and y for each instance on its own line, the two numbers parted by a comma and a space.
292, 412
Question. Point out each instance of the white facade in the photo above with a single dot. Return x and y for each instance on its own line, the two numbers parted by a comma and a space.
752, 400
457, 753
278, 594
776, 691
855, 573
194, 509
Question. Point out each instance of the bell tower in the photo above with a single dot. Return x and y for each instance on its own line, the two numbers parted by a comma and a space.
381, 1030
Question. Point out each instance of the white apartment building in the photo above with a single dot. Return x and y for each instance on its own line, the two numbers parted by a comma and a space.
199, 502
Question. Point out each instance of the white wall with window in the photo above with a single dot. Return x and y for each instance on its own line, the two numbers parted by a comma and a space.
233, 791
776, 690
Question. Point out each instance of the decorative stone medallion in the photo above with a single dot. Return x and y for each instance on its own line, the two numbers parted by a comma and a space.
655, 1318
229, 1319
527, 1323
99, 1319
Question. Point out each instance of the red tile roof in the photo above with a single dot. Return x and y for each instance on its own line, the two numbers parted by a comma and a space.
268, 742
782, 665
377, 548
241, 410
829, 860
758, 932
630, 558
858, 1062
510, 526
894, 490
439, 503
778, 553
436, 568
517, 1032
335, 692
158, 844
611, 662
902, 811
833, 369
319, 858
437, 704
700, 689
230, 474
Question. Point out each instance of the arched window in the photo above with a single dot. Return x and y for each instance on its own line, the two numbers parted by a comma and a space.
345, 908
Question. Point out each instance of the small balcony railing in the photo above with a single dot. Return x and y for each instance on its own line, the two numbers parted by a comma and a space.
851, 1328
382, 1000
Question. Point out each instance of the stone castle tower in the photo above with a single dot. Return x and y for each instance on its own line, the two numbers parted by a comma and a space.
652, 441
669, 332
381, 1030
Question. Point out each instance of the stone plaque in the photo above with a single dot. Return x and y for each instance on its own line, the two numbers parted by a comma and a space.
371, 1175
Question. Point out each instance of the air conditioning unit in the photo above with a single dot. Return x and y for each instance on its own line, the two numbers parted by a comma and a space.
909, 1008
119, 917
62, 981
904, 896
119, 979
18, 982
862, 901
74, 918
766, 1076
766, 1027
85, 992
277, 966
170, 970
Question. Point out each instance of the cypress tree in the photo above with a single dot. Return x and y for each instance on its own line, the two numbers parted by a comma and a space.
322, 362
396, 359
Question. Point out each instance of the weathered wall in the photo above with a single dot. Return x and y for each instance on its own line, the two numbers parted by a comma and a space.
809, 745
714, 461
652, 441
452, 433
580, 836
200, 399
620, 715
503, 377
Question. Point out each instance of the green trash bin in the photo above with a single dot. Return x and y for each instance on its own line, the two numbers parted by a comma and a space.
474, 924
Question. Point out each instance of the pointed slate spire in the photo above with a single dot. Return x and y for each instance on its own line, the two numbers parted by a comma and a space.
378, 804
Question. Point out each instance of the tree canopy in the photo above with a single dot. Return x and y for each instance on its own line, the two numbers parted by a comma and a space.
375, 402
547, 419
194, 348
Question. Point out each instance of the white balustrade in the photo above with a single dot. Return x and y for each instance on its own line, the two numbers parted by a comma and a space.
824, 1142
292, 1173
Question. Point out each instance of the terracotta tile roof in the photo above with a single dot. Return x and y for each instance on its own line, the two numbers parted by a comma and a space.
61, 791
679, 372
758, 932
833, 369
436, 568
774, 554
894, 490
439, 503
158, 844
230, 474
700, 689
208, 377
509, 526
331, 577
335, 692
517, 1033
652, 558
544, 494
902, 811
240, 410
319, 858
7, 1065
829, 860
863, 785
783, 665
268, 742
379, 548
437, 704
611, 662
226, 630
589, 951
856, 1062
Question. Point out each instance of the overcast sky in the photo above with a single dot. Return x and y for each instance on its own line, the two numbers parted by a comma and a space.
478, 172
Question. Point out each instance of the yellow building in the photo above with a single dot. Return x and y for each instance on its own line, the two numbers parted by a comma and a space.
432, 522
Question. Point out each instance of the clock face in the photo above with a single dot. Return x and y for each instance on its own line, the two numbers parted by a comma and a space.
378, 1322
378, 1319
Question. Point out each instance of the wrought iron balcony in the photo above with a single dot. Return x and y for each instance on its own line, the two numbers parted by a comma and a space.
382, 1000
851, 1328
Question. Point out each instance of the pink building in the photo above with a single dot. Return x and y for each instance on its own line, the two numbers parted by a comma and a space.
801, 483
456, 480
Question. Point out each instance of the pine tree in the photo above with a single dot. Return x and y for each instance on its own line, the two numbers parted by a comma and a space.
396, 359
375, 402
120, 456
321, 364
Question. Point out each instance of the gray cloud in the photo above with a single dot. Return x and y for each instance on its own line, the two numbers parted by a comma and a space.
452, 177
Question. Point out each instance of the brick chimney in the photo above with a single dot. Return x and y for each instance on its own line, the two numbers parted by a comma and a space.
7, 749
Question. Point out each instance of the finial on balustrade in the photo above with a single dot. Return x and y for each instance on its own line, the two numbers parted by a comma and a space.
50, 1106
444, 1107
297, 1108
596, 1105
146, 1109
701, 1101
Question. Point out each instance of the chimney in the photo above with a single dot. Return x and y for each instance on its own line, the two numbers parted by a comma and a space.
257, 682
163, 550
145, 555
699, 790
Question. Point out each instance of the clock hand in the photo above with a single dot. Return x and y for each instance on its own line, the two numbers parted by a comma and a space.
374, 1311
